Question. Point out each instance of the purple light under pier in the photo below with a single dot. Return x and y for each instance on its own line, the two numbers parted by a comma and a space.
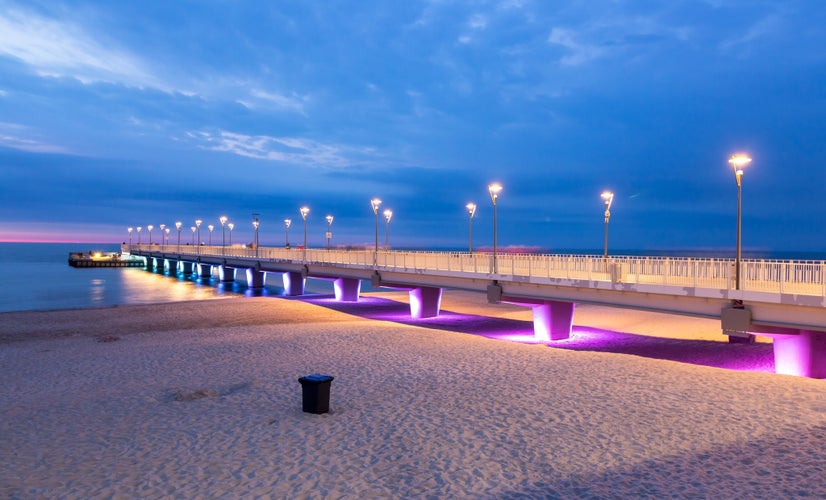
803, 355
552, 320
425, 302
347, 289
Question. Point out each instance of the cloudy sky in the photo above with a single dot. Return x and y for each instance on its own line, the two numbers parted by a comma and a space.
117, 114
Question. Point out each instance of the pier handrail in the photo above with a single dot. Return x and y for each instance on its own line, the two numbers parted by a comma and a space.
801, 277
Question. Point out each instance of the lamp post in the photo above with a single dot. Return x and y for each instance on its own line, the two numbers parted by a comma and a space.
388, 214
255, 224
375, 202
608, 198
193, 234
230, 226
198, 223
471, 211
178, 227
129, 230
149, 228
162, 237
737, 162
139, 234
329, 234
167, 230
210, 227
223, 220
494, 190
287, 223
304, 211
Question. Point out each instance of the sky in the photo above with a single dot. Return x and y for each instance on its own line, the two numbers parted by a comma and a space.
125, 114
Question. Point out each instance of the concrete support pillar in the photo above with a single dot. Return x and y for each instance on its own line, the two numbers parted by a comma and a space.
425, 302
172, 265
226, 274
187, 267
157, 264
293, 283
552, 320
803, 355
347, 289
255, 278
204, 270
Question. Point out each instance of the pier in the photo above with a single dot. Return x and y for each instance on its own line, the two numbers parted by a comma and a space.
782, 299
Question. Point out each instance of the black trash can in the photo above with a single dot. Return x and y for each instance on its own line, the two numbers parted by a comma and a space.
316, 393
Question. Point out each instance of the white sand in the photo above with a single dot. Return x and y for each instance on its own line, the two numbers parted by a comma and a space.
415, 412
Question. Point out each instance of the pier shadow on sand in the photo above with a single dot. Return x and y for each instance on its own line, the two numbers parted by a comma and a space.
744, 357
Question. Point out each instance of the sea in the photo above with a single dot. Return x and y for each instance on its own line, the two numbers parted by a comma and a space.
37, 276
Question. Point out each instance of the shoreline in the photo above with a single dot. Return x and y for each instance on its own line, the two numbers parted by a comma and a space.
202, 399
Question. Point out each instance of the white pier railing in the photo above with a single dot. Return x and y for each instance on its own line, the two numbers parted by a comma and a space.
801, 277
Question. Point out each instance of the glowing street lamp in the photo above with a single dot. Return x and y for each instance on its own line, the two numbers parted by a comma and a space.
223, 220
198, 223
210, 227
287, 223
255, 225
178, 227
193, 234
162, 237
167, 230
149, 228
471, 211
388, 214
375, 202
494, 190
329, 234
304, 211
139, 234
230, 226
129, 230
608, 198
737, 162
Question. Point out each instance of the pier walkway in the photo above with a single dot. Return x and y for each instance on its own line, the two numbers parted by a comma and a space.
782, 299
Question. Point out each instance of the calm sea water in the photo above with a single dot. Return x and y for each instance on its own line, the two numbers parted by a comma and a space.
36, 276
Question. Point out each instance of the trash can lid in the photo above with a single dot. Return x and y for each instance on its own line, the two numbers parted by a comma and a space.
316, 377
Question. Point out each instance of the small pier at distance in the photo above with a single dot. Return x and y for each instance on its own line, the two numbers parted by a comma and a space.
781, 299
100, 259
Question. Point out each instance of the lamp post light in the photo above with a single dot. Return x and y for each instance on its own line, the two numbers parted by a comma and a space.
149, 228
287, 224
388, 214
471, 211
162, 236
737, 162
494, 190
210, 227
167, 230
304, 211
129, 230
608, 198
193, 234
329, 234
198, 223
178, 227
139, 234
223, 220
230, 226
375, 203
255, 224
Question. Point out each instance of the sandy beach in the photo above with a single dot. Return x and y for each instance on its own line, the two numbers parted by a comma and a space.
201, 399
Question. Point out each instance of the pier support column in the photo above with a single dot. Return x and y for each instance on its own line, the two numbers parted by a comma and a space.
803, 355
226, 274
255, 278
425, 302
172, 266
293, 283
553, 320
187, 268
347, 289
204, 270
154, 263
